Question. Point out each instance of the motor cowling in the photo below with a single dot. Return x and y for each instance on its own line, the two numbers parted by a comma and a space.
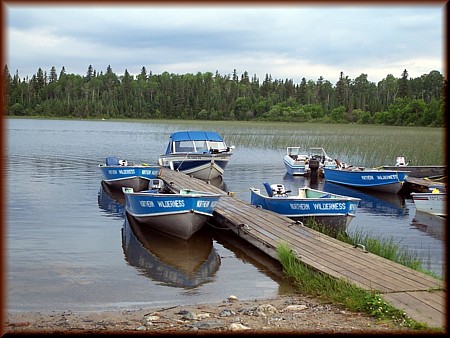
314, 164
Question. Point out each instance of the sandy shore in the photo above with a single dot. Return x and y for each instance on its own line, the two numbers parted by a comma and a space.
285, 314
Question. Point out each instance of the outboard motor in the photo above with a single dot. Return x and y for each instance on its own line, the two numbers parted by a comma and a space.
314, 165
279, 190
156, 184
400, 162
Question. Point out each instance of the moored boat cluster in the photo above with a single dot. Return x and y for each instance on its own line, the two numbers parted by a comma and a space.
204, 155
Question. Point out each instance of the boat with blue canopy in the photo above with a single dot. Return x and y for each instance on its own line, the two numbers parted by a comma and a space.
201, 154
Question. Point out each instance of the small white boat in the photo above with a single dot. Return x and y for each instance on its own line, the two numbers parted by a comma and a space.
332, 210
177, 214
201, 154
301, 162
434, 203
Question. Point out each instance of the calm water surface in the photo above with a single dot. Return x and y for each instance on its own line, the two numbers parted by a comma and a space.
70, 247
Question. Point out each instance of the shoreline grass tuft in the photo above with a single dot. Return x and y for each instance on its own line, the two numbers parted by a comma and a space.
341, 292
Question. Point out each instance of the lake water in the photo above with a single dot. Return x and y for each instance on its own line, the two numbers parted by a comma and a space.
70, 247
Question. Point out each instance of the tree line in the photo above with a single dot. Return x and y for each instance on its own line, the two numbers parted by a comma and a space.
395, 101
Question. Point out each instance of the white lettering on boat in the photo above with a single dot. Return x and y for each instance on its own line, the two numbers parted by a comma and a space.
329, 206
149, 172
367, 177
299, 206
126, 171
206, 204
171, 204
353, 207
387, 177
318, 206
147, 204
202, 204
113, 171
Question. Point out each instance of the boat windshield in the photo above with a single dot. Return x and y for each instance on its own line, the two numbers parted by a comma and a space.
201, 146
184, 146
198, 146
295, 151
217, 145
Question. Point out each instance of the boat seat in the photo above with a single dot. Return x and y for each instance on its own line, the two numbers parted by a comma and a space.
268, 189
112, 161
301, 193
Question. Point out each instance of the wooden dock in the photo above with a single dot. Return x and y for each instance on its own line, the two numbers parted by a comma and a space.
414, 184
423, 298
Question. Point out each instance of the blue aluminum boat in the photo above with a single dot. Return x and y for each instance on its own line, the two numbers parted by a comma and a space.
122, 173
332, 210
389, 181
178, 214
201, 154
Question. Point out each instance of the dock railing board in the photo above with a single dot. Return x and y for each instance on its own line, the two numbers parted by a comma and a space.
422, 297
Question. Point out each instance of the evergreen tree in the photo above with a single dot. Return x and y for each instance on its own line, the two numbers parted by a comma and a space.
89, 73
403, 89
302, 92
53, 76
228, 97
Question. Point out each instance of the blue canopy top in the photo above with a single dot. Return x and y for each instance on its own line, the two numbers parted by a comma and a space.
195, 135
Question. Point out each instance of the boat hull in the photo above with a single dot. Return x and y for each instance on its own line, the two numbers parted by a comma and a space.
135, 177
431, 203
293, 167
198, 153
175, 214
388, 181
205, 167
335, 211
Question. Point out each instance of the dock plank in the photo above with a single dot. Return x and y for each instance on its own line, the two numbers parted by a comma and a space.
422, 297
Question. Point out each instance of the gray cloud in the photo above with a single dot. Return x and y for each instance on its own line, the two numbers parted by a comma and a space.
291, 41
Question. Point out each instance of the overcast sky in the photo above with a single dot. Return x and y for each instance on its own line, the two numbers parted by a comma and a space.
292, 41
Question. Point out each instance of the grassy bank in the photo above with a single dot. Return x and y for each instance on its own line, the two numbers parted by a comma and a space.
343, 293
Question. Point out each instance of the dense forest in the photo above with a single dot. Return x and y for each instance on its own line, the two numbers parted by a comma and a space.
395, 101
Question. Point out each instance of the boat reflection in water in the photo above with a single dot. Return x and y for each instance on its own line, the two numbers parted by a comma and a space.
432, 225
170, 260
113, 202
376, 202
218, 182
